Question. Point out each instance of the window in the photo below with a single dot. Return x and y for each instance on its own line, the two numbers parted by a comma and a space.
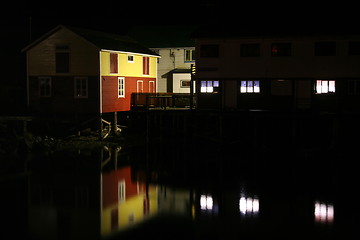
152, 86
325, 86
81, 87
62, 59
146, 70
209, 50
113, 63
325, 49
250, 50
354, 87
354, 48
209, 86
184, 83
121, 87
189, 55
45, 87
280, 49
250, 86
130, 58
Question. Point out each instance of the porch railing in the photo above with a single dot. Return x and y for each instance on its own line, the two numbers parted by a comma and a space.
161, 100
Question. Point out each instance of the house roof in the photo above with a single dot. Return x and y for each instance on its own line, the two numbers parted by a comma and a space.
101, 40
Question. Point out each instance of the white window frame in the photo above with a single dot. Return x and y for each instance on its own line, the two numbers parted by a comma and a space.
81, 95
191, 54
131, 56
121, 87
137, 86
152, 86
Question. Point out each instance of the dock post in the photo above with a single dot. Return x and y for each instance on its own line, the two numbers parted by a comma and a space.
100, 127
114, 124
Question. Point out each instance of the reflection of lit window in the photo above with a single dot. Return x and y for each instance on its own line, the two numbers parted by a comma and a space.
249, 205
324, 213
325, 86
206, 202
121, 187
209, 86
250, 87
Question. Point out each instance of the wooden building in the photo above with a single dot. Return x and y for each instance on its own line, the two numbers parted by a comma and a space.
81, 71
177, 52
242, 69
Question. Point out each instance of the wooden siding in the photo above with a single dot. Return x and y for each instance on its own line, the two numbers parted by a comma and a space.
62, 99
110, 100
125, 68
84, 57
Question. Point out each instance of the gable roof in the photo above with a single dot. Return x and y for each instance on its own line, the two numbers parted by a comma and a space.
101, 40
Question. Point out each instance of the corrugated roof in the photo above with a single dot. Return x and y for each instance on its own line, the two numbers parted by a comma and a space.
102, 40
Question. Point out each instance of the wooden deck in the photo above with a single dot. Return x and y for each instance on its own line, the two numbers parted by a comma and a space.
162, 101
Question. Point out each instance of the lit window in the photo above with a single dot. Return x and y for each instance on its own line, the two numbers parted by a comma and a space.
250, 86
121, 87
324, 213
325, 86
209, 86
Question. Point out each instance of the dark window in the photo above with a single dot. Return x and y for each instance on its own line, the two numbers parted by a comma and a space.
250, 50
354, 48
325, 49
354, 87
62, 59
209, 50
280, 49
113, 63
45, 87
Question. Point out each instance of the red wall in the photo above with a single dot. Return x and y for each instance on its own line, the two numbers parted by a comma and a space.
110, 100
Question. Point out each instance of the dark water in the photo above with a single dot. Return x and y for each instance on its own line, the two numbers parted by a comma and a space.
183, 188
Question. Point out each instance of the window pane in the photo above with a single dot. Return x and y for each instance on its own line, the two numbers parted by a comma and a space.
256, 86
332, 86
203, 86
249, 86
243, 86
318, 86
324, 87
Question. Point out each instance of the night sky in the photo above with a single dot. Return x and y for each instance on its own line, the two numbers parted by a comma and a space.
21, 23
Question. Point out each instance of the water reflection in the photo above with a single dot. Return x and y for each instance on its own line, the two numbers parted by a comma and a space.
117, 193
125, 202
324, 212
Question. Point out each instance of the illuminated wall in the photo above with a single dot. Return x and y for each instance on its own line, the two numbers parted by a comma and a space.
125, 203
